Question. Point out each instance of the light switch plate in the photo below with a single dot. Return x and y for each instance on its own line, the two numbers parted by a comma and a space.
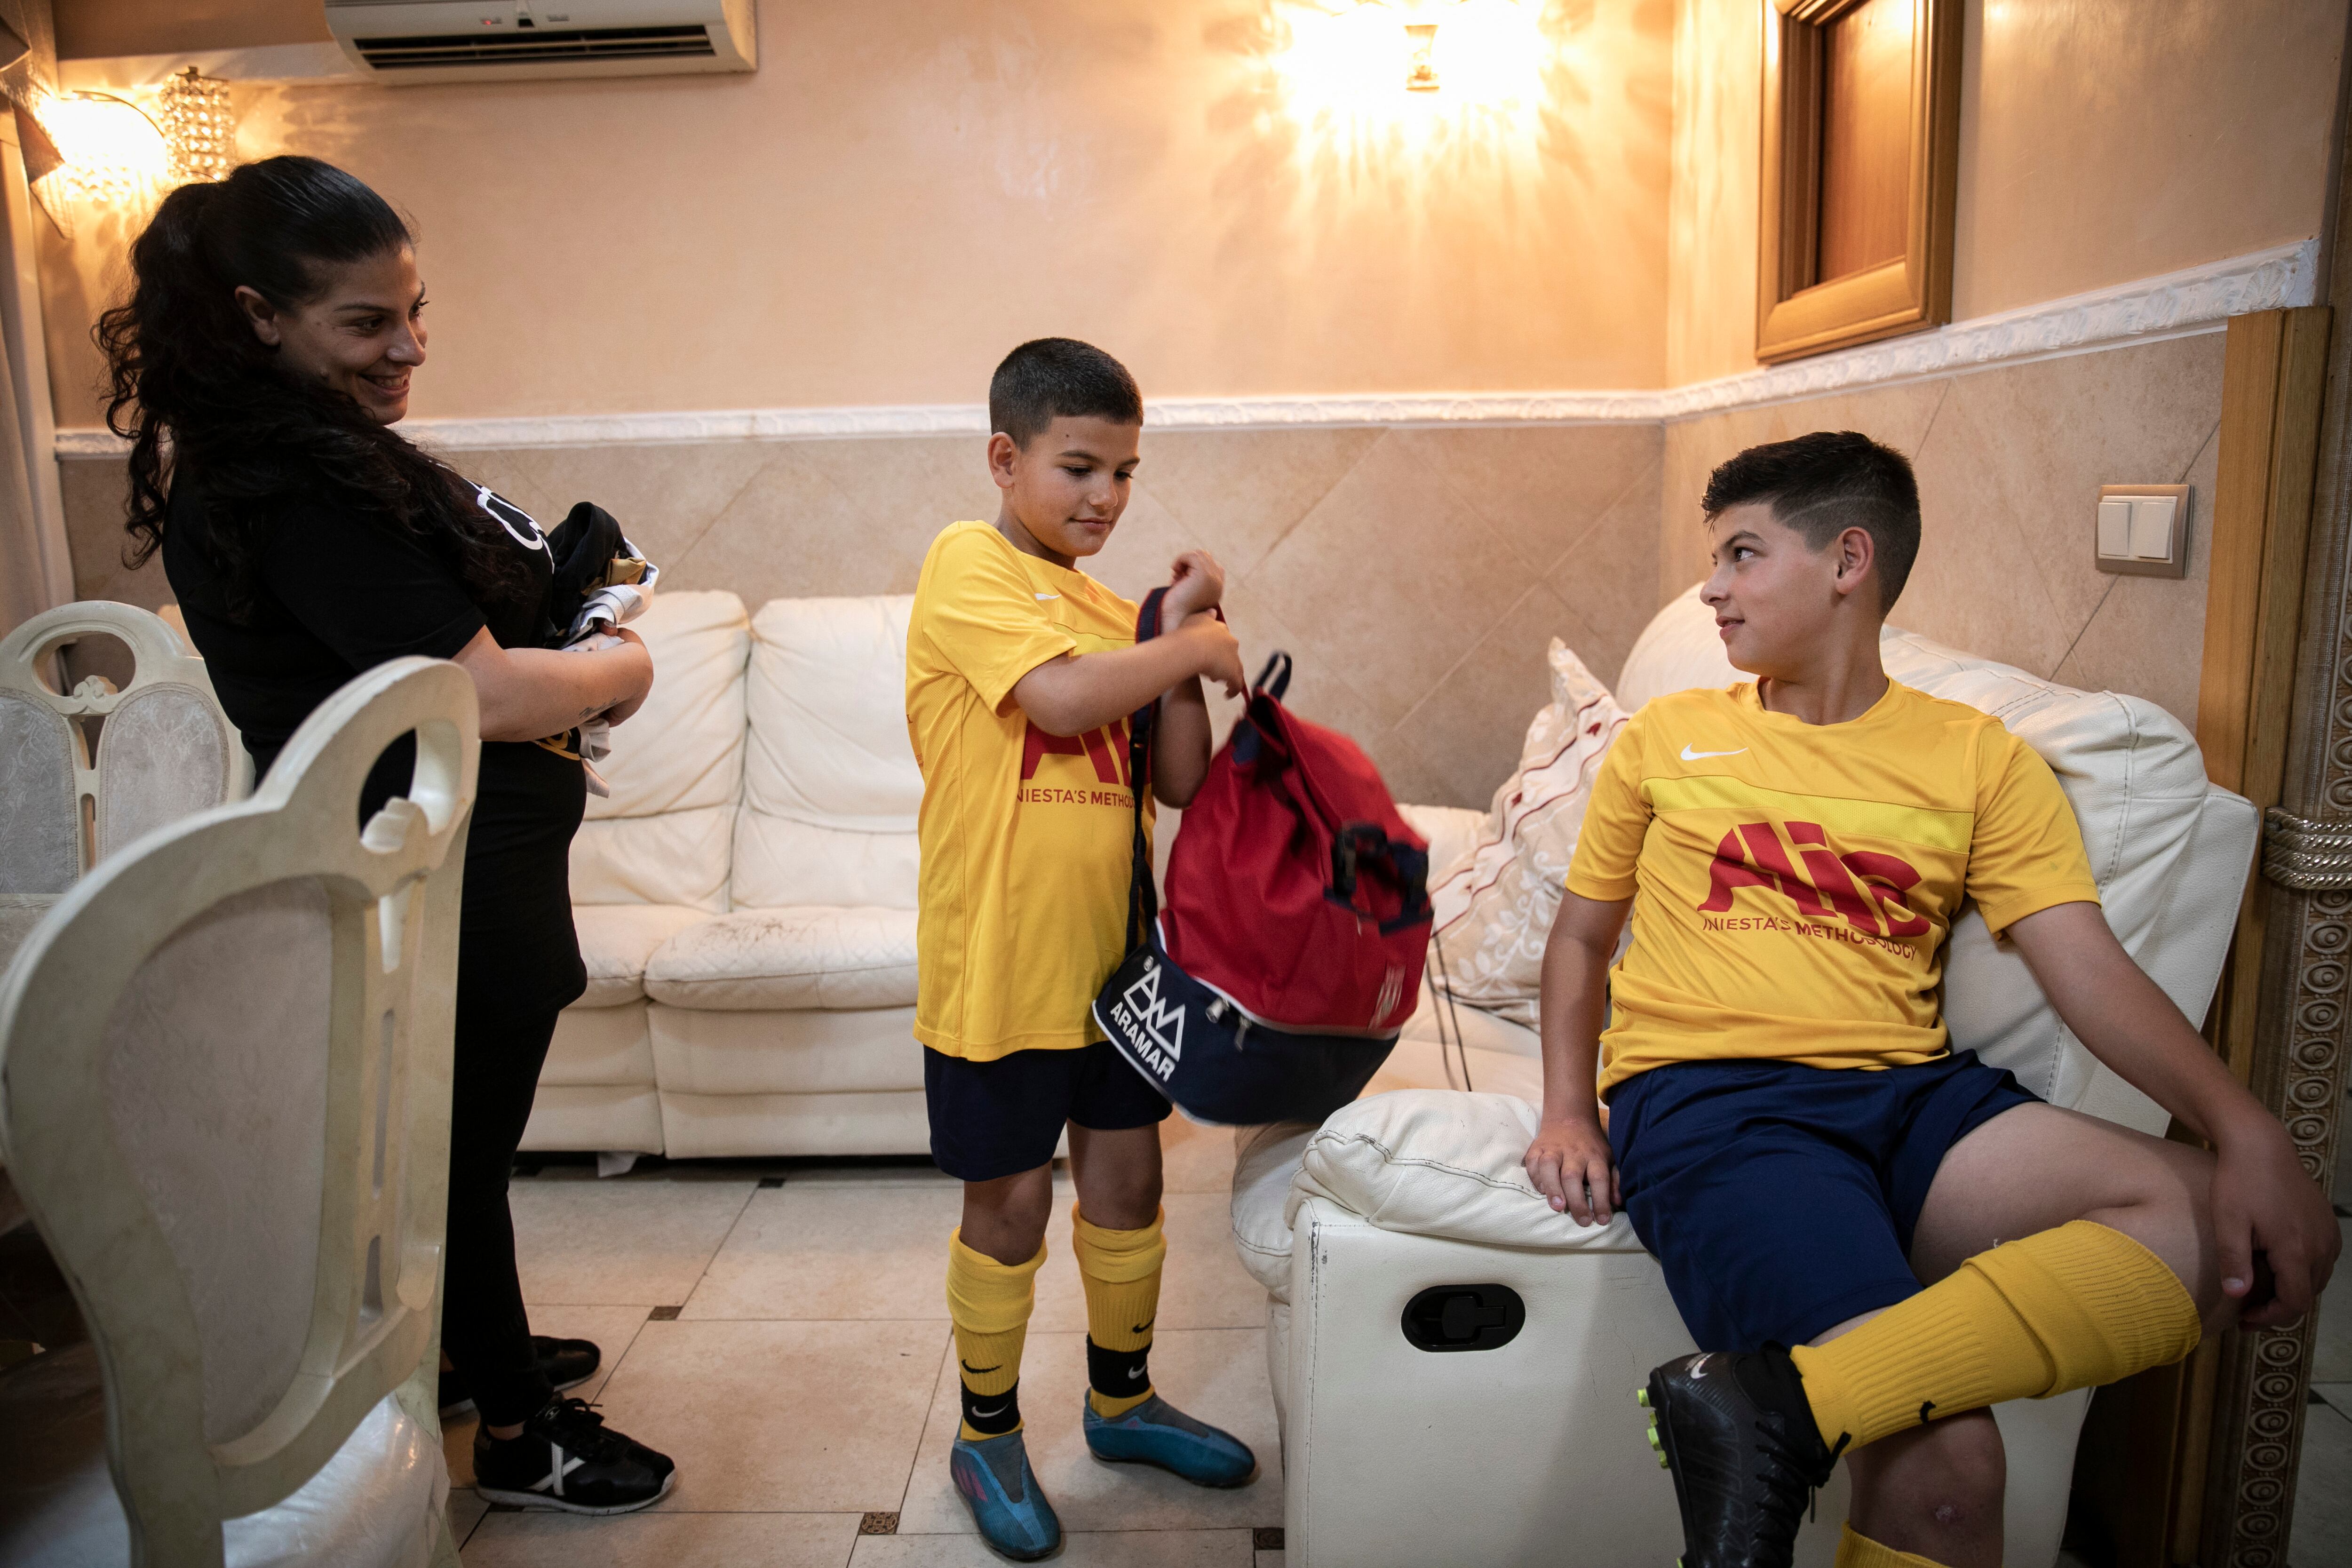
2135, 538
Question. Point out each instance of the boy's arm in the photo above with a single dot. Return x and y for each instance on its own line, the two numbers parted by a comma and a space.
1180, 744
1077, 692
2263, 1199
1570, 1156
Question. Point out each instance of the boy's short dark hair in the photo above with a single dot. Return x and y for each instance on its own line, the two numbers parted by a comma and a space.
1048, 379
1824, 483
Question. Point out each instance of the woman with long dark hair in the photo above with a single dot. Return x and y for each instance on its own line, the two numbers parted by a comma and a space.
258, 366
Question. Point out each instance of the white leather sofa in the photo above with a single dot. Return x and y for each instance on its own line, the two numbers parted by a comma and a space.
1533, 1451
745, 899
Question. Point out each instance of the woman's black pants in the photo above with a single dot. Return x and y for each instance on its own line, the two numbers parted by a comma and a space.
483, 1326
518, 966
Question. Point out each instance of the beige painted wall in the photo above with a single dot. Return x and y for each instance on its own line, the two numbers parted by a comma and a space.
2100, 143
2009, 462
907, 188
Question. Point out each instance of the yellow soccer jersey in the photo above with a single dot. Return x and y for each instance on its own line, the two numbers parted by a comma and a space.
1026, 836
1793, 883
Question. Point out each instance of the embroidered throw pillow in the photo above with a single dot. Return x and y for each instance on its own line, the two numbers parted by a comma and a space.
1493, 911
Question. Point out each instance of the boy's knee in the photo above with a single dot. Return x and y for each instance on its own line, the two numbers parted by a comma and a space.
1944, 1480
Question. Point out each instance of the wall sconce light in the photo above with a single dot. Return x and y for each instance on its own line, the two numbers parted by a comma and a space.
108, 150
1421, 66
199, 126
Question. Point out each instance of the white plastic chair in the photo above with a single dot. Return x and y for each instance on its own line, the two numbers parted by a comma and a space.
224, 1097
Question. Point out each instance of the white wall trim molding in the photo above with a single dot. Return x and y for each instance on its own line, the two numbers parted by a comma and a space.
2177, 304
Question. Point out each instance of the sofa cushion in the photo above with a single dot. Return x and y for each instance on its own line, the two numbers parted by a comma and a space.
782, 861
678, 858
677, 767
616, 940
1435, 1163
789, 959
683, 748
1451, 832
830, 785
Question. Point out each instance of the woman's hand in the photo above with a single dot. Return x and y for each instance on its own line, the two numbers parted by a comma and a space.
1196, 583
2264, 1201
1570, 1164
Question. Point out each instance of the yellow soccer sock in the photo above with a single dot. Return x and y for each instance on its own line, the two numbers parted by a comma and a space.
990, 1302
1857, 1550
2069, 1308
1121, 1271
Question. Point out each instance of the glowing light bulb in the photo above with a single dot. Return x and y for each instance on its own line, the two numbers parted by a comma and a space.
111, 150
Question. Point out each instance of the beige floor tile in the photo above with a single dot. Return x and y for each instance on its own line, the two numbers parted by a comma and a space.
781, 1417
1108, 1549
1216, 1374
466, 1511
656, 1540
1267, 1560
2322, 1532
457, 1452
1195, 1158
810, 1250
1202, 1285
873, 1174
620, 1243
2331, 1351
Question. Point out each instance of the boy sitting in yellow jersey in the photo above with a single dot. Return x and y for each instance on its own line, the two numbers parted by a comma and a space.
1020, 673
1788, 1128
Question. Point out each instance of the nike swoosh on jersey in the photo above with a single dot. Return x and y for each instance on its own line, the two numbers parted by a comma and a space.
1691, 756
1049, 595
979, 1371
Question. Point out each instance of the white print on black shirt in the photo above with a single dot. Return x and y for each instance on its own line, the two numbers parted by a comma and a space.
508, 514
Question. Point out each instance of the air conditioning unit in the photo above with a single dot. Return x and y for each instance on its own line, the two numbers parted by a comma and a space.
405, 41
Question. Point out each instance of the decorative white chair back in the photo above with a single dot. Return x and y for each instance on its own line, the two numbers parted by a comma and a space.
224, 1097
163, 749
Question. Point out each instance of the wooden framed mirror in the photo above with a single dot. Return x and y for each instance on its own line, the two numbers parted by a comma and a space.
1861, 134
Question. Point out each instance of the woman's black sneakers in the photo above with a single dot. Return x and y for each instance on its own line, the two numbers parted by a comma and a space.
564, 1459
568, 1363
1737, 1434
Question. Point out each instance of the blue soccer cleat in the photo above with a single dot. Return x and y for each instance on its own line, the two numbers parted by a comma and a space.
993, 1475
1156, 1432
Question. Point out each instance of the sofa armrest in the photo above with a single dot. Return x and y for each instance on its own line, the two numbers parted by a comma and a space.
1440, 1164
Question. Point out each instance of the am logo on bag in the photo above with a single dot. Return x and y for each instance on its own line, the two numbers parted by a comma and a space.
1155, 1027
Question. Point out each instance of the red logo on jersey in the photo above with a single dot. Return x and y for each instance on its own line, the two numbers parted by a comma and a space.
1863, 886
1106, 748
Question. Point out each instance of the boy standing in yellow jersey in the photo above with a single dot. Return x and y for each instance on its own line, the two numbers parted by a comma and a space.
1788, 1128
1020, 673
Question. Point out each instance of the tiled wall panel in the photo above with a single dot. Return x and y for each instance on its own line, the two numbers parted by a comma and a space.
2010, 460
1416, 575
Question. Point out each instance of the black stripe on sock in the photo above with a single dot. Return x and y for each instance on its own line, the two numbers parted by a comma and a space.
1118, 1375
992, 1415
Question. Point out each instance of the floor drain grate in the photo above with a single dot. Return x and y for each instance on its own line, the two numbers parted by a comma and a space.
878, 1524
1265, 1540
664, 1314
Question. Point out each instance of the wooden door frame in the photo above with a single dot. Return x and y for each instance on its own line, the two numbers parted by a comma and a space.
2278, 682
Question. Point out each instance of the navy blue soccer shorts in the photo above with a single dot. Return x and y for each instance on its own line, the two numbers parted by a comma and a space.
1782, 1198
1001, 1118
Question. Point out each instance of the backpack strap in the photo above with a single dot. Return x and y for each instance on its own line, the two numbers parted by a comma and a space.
1142, 898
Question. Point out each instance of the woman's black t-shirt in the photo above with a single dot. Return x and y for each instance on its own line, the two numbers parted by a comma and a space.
340, 594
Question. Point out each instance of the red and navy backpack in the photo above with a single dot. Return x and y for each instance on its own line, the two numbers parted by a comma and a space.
1273, 983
